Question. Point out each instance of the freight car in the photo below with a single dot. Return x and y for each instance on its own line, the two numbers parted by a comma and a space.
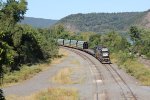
60, 42
73, 43
99, 52
82, 45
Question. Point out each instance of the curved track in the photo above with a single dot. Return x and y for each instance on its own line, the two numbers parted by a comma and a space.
124, 89
97, 75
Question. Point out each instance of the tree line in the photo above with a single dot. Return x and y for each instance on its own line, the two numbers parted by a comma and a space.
22, 44
136, 41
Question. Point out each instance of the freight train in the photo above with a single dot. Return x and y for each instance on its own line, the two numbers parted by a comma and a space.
99, 52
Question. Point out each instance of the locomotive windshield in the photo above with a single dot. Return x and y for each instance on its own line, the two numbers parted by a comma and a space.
105, 54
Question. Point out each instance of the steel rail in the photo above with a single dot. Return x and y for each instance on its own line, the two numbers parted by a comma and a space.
100, 73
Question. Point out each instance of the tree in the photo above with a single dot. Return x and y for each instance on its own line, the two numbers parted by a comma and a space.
114, 41
144, 44
11, 12
59, 29
134, 34
95, 40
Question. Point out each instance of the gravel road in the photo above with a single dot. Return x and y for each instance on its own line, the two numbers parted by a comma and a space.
96, 80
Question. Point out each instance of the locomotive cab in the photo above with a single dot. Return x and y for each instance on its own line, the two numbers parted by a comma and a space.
102, 54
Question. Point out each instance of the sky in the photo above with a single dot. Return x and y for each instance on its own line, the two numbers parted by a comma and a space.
57, 9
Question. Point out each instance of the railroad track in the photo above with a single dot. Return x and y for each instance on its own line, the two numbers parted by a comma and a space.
98, 78
125, 91
124, 87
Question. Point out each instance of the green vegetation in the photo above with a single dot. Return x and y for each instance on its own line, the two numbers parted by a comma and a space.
65, 34
132, 66
24, 74
102, 22
22, 45
141, 41
113, 40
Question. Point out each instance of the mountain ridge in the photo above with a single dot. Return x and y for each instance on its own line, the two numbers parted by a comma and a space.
38, 22
104, 22
95, 22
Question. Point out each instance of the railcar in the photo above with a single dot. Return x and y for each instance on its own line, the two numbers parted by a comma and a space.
67, 42
73, 43
60, 42
82, 45
99, 52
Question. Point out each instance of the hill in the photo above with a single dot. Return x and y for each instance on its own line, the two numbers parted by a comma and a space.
104, 22
38, 22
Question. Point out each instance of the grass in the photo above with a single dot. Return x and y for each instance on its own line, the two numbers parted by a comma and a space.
50, 94
58, 94
138, 70
26, 72
134, 68
63, 76
14, 97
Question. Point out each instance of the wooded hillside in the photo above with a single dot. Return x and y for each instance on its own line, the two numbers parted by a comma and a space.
103, 22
